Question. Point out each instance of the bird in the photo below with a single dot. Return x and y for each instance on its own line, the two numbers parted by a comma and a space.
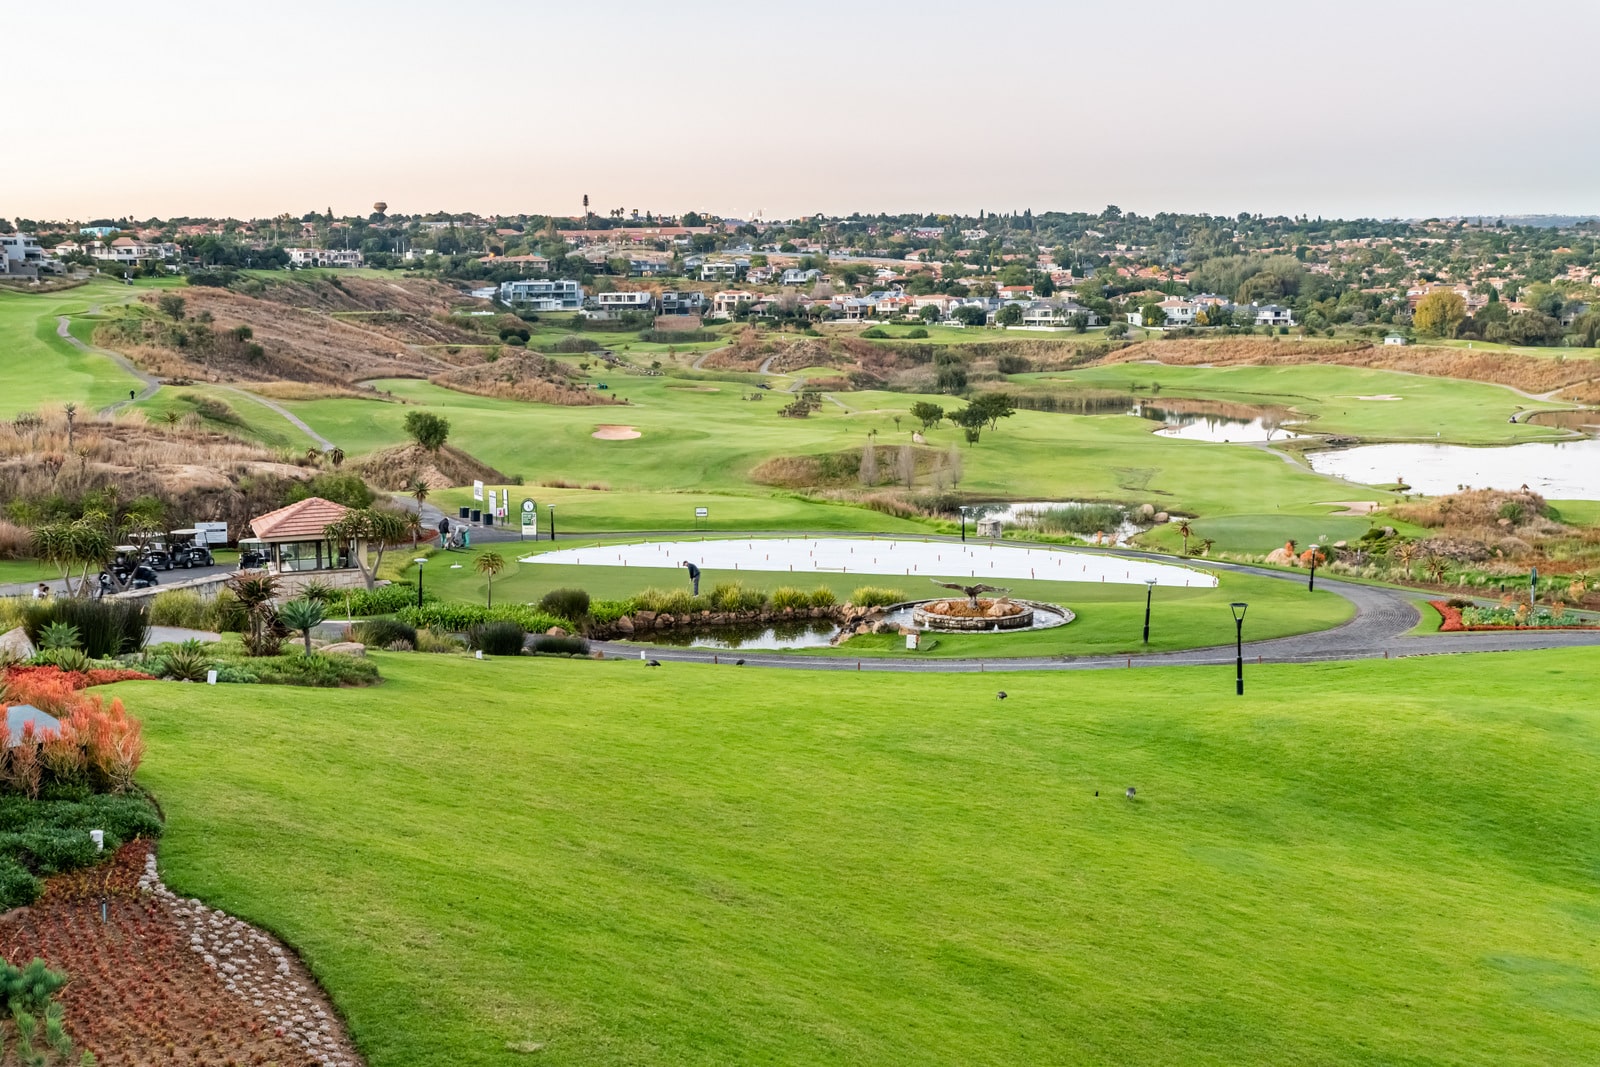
738, 663
1131, 792
653, 663
1001, 695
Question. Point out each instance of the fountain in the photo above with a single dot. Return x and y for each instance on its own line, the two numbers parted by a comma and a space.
974, 614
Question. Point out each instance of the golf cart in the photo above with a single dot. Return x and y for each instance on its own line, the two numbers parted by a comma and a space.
187, 548
252, 553
131, 570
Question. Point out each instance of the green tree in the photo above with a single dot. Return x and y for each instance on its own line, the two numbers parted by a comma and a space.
1152, 315
927, 413
368, 529
970, 315
929, 313
993, 407
172, 306
1439, 313
427, 429
1009, 315
972, 419
489, 564
303, 615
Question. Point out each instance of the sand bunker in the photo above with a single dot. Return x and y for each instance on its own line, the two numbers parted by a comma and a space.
616, 433
1375, 396
1351, 507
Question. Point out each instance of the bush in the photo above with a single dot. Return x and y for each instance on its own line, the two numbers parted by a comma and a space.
385, 601
570, 604
434, 641
499, 638
561, 646
384, 631
186, 662
318, 669
178, 607
106, 628
1082, 520
458, 618
736, 596
788, 597
68, 659
916, 333
670, 601
48, 836
573, 343
606, 612
18, 888
875, 333
875, 596
823, 597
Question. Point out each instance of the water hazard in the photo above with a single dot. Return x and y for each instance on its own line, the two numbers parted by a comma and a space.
1560, 470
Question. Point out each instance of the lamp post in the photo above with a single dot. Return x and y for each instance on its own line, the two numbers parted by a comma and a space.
1238, 622
552, 522
1311, 583
963, 523
1149, 591
419, 561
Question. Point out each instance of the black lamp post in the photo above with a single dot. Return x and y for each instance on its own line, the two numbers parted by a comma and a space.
1311, 584
1238, 621
963, 524
1149, 591
552, 522
419, 562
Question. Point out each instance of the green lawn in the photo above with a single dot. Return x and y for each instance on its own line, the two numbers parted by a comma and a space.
37, 367
1444, 409
1110, 618
1372, 863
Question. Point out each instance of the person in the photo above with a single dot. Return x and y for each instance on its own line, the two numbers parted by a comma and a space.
444, 533
131, 394
42, 593
694, 576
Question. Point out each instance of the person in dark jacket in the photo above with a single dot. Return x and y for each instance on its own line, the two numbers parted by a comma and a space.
694, 576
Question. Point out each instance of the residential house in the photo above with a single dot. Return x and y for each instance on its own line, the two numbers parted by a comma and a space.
796, 276
22, 252
1272, 315
127, 250
857, 307
691, 302
1015, 293
1395, 339
892, 304
324, 257
944, 302
97, 231
1180, 312
1056, 313
543, 294
761, 275
723, 270
724, 304
640, 300
975, 235
527, 262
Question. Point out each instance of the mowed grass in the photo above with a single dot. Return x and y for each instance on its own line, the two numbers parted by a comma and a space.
1429, 409
1110, 618
711, 441
39, 368
1373, 863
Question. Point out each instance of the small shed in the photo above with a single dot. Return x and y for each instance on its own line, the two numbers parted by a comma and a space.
1395, 339
294, 539
19, 715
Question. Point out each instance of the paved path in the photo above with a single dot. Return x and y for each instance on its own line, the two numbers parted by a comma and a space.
1378, 630
151, 384
272, 405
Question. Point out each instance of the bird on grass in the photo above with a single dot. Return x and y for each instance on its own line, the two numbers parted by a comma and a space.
653, 663
1000, 695
1131, 792
738, 663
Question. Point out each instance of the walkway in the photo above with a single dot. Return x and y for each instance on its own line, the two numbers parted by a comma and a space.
294, 420
151, 384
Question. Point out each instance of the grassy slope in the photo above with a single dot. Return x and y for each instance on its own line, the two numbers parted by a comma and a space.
715, 866
1110, 618
38, 367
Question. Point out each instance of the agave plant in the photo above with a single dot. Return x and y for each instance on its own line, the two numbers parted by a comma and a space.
58, 635
187, 662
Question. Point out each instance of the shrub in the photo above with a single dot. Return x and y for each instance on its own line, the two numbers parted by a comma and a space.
68, 659
573, 343
385, 601
787, 596
458, 618
58, 635
189, 661
561, 646
571, 604
875, 333
179, 607
823, 597
42, 837
318, 669
106, 628
385, 631
735, 596
916, 333
670, 601
501, 637
606, 612
234, 674
429, 640
18, 888
875, 596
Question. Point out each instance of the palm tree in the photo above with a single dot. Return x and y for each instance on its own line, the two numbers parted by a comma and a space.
335, 455
1184, 530
419, 491
414, 527
170, 417
303, 615
1405, 554
1435, 568
489, 564
314, 455
1205, 546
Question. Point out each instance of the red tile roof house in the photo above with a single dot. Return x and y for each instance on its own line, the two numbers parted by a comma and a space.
299, 552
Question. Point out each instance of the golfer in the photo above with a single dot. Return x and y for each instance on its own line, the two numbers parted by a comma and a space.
694, 576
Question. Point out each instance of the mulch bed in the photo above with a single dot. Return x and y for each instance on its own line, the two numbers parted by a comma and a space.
162, 980
1454, 623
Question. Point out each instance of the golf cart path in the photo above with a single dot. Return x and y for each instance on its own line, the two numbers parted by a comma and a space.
294, 420
151, 384
1379, 629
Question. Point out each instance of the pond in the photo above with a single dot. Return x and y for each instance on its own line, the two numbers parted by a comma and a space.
1559, 470
1082, 518
1184, 418
768, 637
1582, 421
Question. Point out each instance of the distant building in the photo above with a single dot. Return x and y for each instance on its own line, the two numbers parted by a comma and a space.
723, 270
1273, 315
795, 276
127, 250
98, 231
324, 257
724, 304
635, 301
543, 294
22, 252
1395, 339
683, 303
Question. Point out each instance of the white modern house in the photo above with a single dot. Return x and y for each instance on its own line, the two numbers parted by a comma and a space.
723, 304
687, 302
128, 250
22, 252
636, 301
1273, 315
795, 276
324, 257
723, 270
543, 294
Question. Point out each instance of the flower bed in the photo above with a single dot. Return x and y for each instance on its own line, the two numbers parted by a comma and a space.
74, 679
1457, 619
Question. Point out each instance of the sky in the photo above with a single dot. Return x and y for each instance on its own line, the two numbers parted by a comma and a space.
1385, 108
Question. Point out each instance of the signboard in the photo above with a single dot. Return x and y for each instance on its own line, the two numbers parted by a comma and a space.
530, 518
493, 508
211, 533
503, 509
701, 513
477, 490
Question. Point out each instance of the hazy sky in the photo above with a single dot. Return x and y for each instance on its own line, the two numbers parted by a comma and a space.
1356, 107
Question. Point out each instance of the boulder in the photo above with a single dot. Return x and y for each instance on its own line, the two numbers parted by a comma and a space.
347, 648
644, 619
1163, 517
555, 631
664, 621
624, 625
14, 645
